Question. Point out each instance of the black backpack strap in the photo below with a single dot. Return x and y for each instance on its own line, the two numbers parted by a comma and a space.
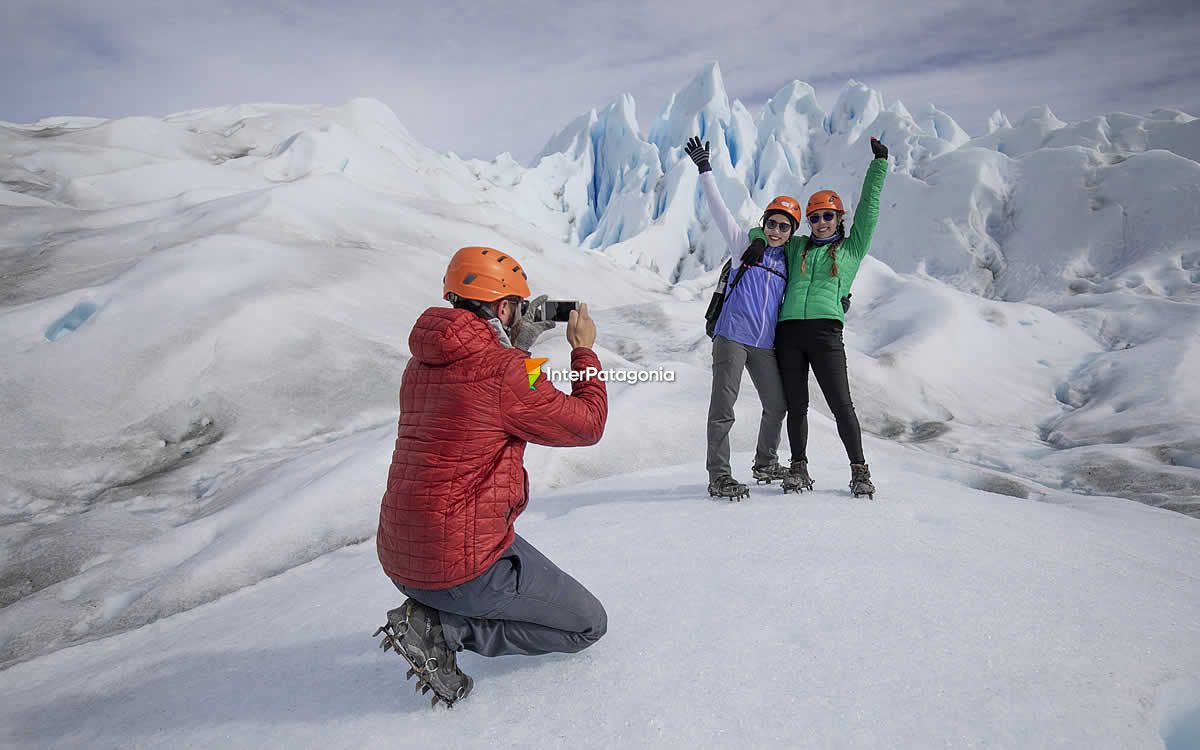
777, 273
768, 269
722, 291
738, 276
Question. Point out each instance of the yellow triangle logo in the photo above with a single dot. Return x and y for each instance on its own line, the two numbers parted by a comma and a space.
533, 368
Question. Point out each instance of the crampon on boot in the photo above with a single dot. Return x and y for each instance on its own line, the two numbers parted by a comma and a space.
768, 473
860, 481
729, 487
797, 479
414, 631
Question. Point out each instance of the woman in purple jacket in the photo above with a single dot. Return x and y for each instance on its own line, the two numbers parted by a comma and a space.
744, 337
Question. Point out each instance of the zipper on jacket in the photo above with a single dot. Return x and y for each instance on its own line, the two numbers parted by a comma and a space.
767, 282
812, 278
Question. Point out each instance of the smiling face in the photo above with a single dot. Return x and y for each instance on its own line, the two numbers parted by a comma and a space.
824, 223
778, 228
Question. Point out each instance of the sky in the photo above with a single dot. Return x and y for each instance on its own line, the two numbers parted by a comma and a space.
480, 80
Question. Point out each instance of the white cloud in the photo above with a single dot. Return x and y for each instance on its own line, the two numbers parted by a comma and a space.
484, 79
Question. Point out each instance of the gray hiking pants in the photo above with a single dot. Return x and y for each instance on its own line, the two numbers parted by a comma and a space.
522, 604
729, 359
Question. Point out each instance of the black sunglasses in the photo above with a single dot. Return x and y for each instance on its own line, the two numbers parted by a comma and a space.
778, 226
826, 216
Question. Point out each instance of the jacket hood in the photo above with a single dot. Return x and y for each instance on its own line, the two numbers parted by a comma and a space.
443, 335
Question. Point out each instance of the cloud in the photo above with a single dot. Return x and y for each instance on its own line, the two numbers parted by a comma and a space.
480, 79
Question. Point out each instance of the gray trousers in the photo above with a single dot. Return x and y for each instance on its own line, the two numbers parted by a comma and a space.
522, 604
729, 359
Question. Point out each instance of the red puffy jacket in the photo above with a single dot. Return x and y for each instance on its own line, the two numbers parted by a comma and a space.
457, 482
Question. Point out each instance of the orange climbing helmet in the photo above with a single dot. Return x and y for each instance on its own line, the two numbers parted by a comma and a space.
485, 274
785, 204
824, 199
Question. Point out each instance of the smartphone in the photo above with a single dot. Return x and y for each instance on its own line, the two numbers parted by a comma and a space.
558, 310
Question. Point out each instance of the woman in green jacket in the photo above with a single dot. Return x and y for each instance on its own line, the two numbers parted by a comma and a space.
821, 269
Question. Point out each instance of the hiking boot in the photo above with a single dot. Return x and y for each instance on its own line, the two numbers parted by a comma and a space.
797, 479
860, 481
729, 487
768, 473
414, 631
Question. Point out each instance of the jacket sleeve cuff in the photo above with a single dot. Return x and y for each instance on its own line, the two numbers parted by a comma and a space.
583, 352
583, 357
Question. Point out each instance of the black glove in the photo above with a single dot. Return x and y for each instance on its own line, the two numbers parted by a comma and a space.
878, 149
754, 254
698, 153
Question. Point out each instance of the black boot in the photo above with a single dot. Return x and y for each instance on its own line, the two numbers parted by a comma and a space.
798, 479
860, 481
768, 473
415, 632
729, 487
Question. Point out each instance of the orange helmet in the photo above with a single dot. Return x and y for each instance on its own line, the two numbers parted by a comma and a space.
824, 199
484, 274
788, 205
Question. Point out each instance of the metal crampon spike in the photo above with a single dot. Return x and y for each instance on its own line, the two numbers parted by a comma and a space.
409, 674
433, 703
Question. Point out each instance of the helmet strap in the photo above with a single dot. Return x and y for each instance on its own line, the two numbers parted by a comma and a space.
482, 309
487, 312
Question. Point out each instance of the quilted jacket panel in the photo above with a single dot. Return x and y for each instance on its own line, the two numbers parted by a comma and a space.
457, 481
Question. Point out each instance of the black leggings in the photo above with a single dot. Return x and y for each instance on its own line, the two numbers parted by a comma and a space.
799, 344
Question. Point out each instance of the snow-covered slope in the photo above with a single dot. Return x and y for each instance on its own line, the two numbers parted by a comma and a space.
939, 617
193, 304
204, 318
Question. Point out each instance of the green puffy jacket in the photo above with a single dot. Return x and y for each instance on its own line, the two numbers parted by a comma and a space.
815, 292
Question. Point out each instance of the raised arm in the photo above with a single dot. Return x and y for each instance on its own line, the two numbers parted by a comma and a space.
538, 413
866, 213
726, 224
547, 416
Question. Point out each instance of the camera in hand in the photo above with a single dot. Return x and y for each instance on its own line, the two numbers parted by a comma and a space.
558, 310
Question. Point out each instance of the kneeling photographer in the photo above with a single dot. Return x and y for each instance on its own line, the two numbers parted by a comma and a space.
457, 481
